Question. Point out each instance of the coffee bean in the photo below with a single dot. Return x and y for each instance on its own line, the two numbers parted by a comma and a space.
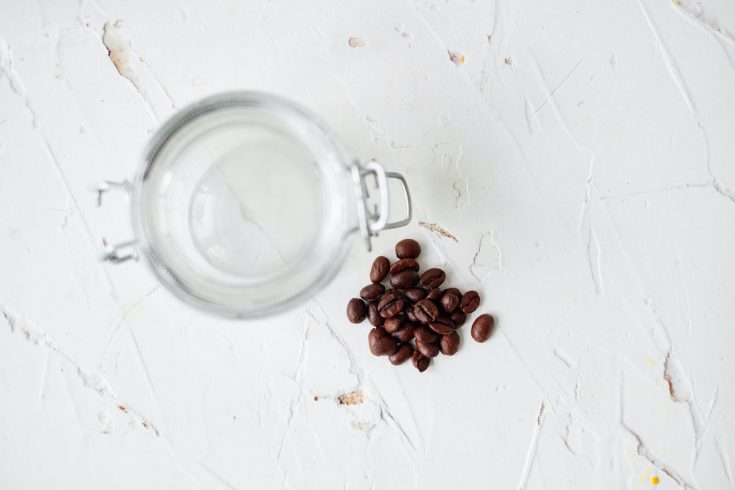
424, 334
458, 318
428, 350
356, 310
391, 304
450, 300
442, 325
373, 314
449, 344
403, 354
432, 278
420, 362
406, 264
380, 268
482, 327
372, 292
405, 279
406, 332
408, 248
425, 311
470, 301
415, 294
380, 343
392, 324
434, 295
411, 315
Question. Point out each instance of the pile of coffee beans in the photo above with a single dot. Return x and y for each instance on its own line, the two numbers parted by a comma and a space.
416, 309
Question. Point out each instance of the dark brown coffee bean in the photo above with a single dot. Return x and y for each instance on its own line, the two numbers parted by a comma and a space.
403, 354
482, 327
415, 294
425, 311
406, 264
408, 248
411, 315
470, 301
442, 325
405, 279
449, 344
372, 292
356, 310
428, 350
406, 332
380, 268
391, 304
432, 278
392, 324
458, 318
380, 343
373, 314
426, 335
450, 300
434, 295
420, 361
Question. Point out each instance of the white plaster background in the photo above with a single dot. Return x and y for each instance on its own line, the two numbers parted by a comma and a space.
582, 155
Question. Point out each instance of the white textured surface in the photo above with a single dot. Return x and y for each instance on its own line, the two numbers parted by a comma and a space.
583, 156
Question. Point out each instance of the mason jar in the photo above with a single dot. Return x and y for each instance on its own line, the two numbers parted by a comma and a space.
244, 203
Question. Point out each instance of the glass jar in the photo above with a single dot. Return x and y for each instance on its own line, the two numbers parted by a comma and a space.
244, 203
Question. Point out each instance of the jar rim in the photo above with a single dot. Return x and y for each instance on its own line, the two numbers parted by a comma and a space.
164, 272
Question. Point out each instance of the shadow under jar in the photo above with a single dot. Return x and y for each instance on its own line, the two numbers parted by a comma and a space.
244, 202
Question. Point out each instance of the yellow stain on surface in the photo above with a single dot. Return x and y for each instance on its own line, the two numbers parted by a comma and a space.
655, 480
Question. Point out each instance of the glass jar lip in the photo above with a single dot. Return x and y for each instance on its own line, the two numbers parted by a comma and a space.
168, 130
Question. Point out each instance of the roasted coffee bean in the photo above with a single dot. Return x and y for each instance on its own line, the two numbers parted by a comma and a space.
432, 278
392, 324
425, 311
428, 350
434, 295
380, 343
458, 318
420, 361
450, 300
408, 248
424, 334
391, 304
356, 310
380, 268
442, 325
373, 315
403, 354
372, 292
482, 327
411, 315
406, 264
405, 279
406, 332
470, 301
415, 294
449, 344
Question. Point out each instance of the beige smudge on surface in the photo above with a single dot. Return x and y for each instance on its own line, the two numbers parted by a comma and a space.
433, 227
355, 397
357, 42
119, 50
456, 58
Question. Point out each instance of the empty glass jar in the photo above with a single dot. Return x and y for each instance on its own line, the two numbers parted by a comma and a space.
244, 202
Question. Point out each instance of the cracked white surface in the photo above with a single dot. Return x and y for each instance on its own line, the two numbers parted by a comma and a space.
573, 162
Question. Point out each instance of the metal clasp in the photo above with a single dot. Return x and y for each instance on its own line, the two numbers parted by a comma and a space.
124, 251
373, 222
